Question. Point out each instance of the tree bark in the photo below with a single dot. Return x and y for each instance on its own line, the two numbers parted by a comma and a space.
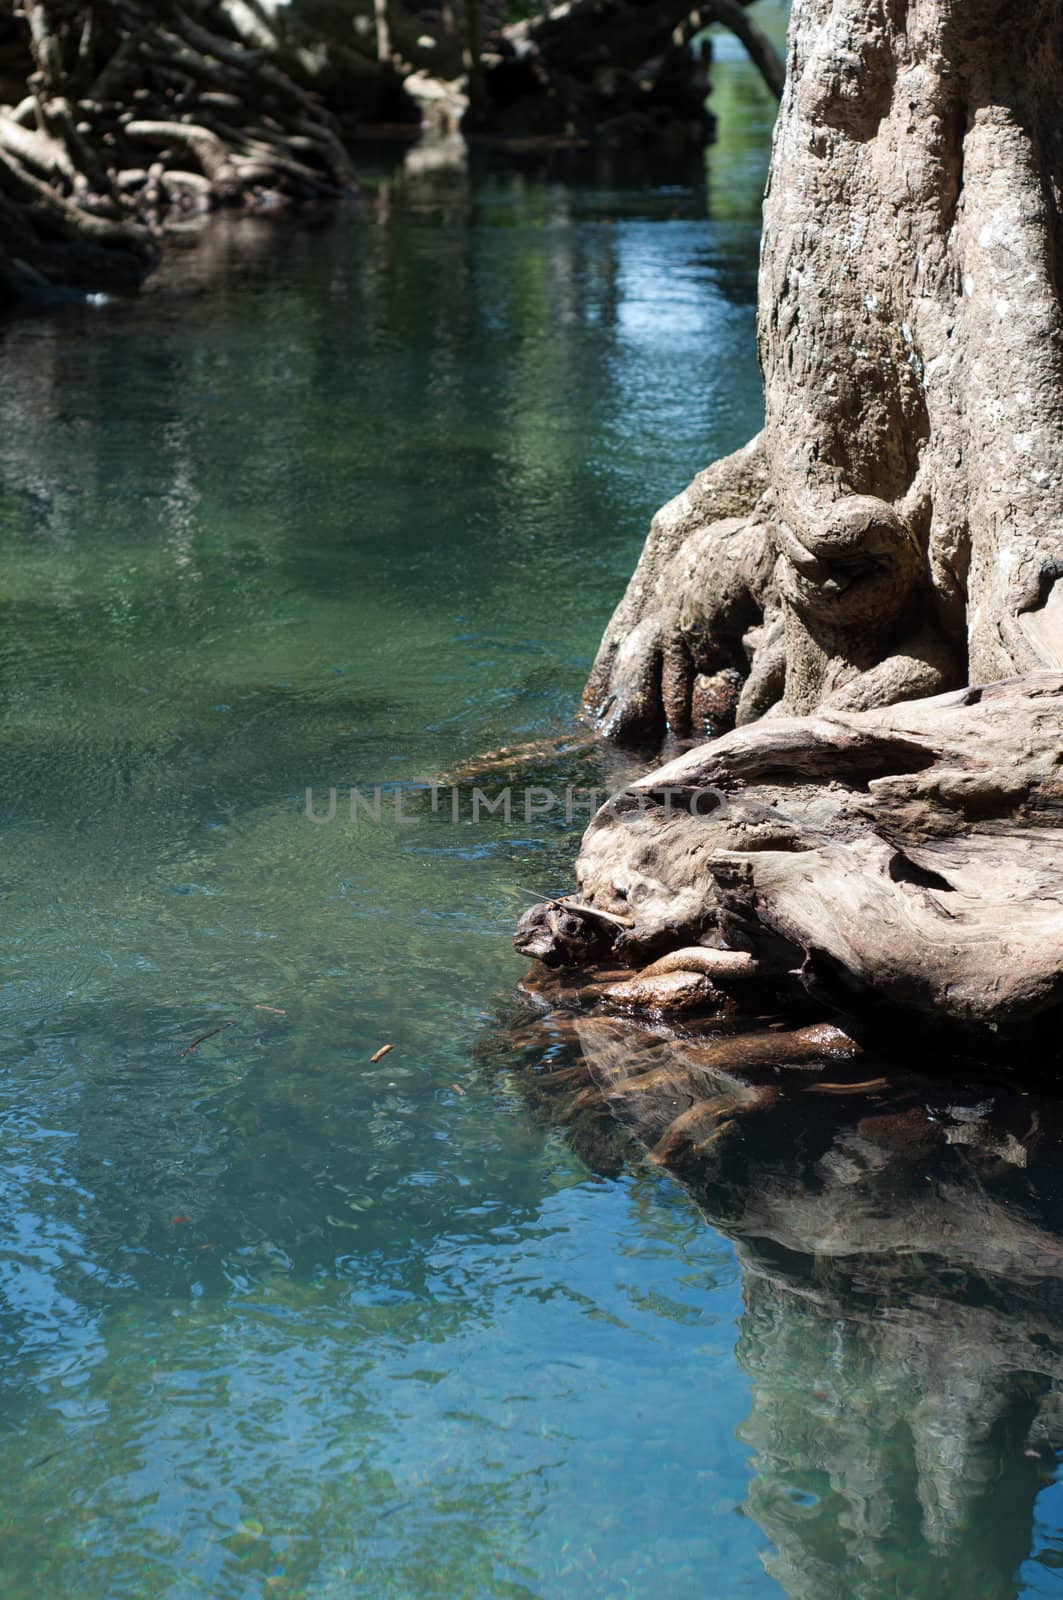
907, 857
894, 532
911, 340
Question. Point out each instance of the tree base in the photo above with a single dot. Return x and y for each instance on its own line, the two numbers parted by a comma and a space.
907, 858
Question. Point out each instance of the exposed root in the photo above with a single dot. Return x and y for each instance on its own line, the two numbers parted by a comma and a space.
132, 112
725, 966
907, 857
673, 993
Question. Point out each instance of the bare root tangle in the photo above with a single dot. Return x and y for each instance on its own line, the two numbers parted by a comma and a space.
229, 103
681, 1094
624, 71
132, 111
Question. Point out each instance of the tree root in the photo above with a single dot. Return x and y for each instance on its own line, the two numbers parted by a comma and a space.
906, 857
128, 114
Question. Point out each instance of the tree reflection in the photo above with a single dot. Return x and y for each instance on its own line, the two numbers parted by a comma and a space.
900, 1236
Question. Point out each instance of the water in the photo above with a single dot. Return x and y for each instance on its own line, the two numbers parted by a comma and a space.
278, 1320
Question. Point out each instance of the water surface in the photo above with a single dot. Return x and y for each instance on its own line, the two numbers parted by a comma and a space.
278, 1320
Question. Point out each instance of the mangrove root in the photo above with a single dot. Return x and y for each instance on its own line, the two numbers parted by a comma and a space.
909, 855
130, 112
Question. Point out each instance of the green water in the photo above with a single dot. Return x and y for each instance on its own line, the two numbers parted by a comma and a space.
277, 1320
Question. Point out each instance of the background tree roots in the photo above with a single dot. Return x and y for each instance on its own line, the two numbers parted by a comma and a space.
122, 114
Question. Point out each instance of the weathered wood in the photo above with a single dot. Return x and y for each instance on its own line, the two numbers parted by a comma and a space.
894, 532
113, 90
909, 855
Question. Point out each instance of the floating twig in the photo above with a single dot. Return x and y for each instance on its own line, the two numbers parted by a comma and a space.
848, 1088
276, 1010
187, 1051
379, 1054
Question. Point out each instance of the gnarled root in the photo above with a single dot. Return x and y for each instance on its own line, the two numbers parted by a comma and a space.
699, 587
128, 116
671, 994
723, 966
908, 856
679, 1094
693, 979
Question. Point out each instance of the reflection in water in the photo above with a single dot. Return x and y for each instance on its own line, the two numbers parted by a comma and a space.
277, 1319
900, 1238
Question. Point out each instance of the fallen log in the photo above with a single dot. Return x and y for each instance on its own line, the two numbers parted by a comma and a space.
908, 856
620, 71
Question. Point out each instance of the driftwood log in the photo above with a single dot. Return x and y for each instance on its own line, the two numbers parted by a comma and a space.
908, 856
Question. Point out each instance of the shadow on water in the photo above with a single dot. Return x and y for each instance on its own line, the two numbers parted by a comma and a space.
898, 1223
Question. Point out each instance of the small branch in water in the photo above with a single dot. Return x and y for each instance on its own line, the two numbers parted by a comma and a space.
187, 1051
383, 1051
848, 1088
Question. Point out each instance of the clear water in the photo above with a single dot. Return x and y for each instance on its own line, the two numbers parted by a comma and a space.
278, 1320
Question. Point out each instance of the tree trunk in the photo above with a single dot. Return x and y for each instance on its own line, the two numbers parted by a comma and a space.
911, 340
896, 531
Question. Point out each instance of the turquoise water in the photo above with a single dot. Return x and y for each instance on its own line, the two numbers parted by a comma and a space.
278, 1320
351, 507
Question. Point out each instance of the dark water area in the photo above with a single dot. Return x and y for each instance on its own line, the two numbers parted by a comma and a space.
349, 507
